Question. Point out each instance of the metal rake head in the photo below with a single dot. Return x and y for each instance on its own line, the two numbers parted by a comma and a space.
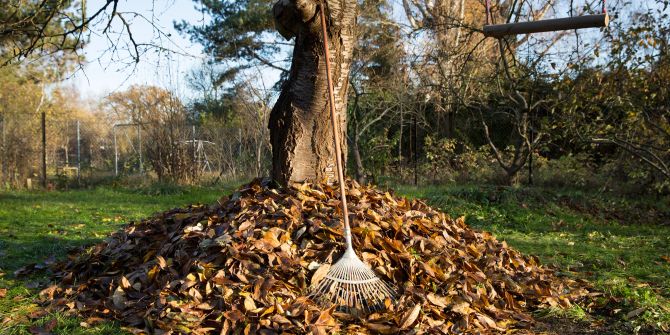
353, 287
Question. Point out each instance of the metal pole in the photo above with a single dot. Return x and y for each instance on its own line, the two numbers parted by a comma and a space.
416, 154
139, 136
194, 149
78, 152
530, 153
116, 153
239, 139
4, 148
44, 150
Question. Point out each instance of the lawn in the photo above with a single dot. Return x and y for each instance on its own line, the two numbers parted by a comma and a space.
35, 226
621, 245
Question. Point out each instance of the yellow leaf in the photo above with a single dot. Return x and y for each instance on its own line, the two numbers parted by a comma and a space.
462, 308
249, 304
268, 310
125, 284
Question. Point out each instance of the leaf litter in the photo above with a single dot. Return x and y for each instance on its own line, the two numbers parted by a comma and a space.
245, 264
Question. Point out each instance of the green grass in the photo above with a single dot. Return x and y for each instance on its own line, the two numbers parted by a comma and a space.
37, 225
614, 242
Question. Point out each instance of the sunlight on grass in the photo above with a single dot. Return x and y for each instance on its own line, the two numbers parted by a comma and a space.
35, 226
577, 234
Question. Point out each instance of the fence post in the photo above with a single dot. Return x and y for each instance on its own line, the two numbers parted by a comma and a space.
4, 149
139, 137
530, 152
116, 154
78, 153
416, 153
195, 157
44, 150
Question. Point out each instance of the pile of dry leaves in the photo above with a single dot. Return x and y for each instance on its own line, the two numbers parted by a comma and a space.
244, 265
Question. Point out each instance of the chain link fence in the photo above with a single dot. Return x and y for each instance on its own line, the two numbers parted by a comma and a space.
86, 152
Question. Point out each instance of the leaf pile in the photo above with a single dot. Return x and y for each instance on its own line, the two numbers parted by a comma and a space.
244, 265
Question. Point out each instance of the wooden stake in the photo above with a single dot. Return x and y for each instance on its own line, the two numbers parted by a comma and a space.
569, 23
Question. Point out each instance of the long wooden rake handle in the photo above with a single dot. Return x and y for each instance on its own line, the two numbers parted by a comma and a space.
336, 134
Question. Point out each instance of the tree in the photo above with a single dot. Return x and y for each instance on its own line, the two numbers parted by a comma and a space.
165, 123
620, 107
378, 63
42, 26
240, 35
300, 134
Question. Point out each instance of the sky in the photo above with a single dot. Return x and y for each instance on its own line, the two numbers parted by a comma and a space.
106, 71
152, 21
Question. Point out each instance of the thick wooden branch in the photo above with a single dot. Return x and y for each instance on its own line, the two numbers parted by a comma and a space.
570, 23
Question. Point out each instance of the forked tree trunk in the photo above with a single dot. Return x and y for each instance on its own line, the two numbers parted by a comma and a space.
300, 129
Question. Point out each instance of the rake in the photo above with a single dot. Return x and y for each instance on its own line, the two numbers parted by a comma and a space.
350, 284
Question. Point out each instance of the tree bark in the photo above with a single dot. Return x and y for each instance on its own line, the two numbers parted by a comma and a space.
300, 131
358, 161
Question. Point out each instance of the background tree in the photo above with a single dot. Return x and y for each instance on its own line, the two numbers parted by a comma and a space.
378, 62
165, 123
240, 36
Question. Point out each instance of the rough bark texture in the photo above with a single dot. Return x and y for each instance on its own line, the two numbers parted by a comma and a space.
300, 130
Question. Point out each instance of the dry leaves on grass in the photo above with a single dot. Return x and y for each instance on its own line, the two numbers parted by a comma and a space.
245, 264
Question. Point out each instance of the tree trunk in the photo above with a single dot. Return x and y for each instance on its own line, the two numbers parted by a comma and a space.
300, 130
358, 161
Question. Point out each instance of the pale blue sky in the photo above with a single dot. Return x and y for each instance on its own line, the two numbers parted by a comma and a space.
106, 71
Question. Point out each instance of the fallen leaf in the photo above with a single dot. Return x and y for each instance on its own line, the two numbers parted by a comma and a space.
246, 265
45, 329
410, 317
635, 312
249, 304
319, 274
119, 298
462, 308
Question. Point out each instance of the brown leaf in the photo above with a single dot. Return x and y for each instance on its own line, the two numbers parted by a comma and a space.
381, 328
161, 262
436, 300
319, 274
635, 312
25, 270
249, 304
45, 329
233, 315
3, 292
462, 308
410, 317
